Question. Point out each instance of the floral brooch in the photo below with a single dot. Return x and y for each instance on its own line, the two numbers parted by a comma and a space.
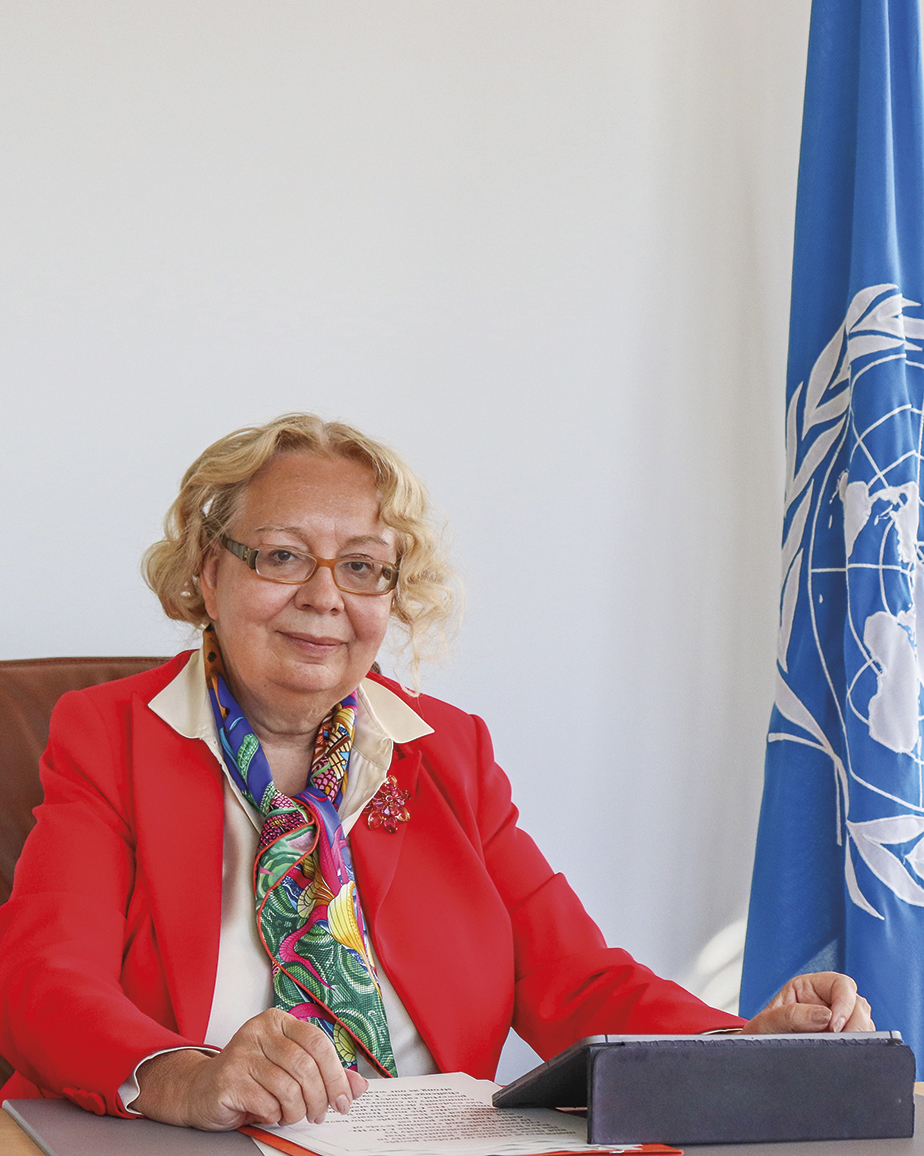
388, 807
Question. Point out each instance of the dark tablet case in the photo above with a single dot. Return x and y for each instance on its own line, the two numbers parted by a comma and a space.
729, 1089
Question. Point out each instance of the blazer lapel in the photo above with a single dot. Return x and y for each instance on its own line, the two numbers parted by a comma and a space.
375, 851
180, 821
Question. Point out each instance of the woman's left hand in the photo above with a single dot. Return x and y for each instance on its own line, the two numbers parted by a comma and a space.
824, 1002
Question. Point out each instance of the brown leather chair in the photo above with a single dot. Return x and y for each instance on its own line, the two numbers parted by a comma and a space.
29, 688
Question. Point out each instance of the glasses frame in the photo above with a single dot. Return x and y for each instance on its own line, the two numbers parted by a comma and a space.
249, 554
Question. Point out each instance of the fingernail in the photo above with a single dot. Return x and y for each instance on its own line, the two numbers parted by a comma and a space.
342, 1104
838, 1024
321, 1118
821, 1015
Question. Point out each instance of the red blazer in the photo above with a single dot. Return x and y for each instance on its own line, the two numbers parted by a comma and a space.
110, 938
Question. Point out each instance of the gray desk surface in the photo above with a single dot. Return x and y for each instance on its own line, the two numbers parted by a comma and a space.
62, 1129
70, 1131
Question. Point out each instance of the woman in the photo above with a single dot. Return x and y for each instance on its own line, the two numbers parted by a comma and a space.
233, 775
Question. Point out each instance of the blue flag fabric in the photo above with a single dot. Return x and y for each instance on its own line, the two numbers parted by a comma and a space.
839, 870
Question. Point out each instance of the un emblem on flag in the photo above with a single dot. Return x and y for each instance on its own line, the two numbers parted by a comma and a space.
851, 640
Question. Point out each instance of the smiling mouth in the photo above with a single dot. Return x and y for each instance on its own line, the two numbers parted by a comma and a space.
314, 644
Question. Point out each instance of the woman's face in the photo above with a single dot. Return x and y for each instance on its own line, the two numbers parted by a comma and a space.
295, 651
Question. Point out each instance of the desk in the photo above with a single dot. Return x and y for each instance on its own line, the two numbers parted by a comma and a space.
14, 1142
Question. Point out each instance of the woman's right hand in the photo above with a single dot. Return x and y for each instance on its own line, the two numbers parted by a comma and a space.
276, 1069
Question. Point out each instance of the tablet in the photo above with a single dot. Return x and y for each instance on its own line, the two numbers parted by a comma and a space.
729, 1089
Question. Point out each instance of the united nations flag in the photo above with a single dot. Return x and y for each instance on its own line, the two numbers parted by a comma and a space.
839, 871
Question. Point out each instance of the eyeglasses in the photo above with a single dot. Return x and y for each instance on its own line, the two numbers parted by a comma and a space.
353, 574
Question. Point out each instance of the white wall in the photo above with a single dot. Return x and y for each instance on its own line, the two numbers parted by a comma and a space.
541, 246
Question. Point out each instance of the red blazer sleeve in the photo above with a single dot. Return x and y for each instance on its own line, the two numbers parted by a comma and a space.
568, 983
476, 931
85, 993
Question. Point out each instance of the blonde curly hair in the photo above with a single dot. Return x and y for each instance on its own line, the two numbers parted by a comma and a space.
208, 499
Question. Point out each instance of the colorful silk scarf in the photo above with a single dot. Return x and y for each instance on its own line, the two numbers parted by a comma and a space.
308, 914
